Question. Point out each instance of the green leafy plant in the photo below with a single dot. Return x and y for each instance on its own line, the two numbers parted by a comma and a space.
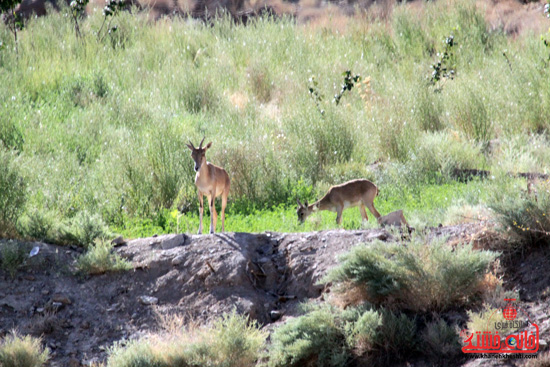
315, 94
443, 68
347, 85
111, 9
100, 259
15, 20
78, 8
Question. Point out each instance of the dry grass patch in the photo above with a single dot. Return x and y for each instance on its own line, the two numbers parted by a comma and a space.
231, 341
416, 276
22, 351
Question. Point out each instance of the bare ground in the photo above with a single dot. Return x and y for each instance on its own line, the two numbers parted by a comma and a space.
262, 275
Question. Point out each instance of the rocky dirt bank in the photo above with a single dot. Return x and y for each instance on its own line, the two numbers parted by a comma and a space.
262, 275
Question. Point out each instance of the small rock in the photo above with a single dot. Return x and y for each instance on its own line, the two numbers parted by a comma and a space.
275, 315
73, 362
45, 292
175, 241
382, 236
85, 325
178, 260
148, 300
29, 277
40, 310
543, 345
32, 289
61, 298
119, 241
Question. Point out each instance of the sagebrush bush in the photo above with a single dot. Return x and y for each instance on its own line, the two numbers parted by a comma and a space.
100, 259
328, 336
38, 225
231, 341
397, 336
417, 276
525, 216
12, 256
440, 341
12, 192
487, 319
314, 339
83, 229
22, 351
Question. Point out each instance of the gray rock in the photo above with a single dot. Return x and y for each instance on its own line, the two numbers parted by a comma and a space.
61, 298
175, 241
148, 300
178, 260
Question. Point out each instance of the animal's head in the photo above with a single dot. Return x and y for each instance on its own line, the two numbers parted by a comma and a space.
199, 154
303, 211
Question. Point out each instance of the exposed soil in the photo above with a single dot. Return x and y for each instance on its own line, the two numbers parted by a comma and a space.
262, 275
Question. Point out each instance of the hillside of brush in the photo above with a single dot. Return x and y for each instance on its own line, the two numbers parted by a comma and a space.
443, 105
93, 128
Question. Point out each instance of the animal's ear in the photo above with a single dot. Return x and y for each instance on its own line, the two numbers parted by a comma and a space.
299, 204
208, 146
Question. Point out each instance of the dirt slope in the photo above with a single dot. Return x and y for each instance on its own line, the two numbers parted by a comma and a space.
263, 275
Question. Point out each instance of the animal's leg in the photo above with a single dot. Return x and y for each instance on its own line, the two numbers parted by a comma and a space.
224, 203
339, 210
370, 205
213, 214
363, 212
201, 210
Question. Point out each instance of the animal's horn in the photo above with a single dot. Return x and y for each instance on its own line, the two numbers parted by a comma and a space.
202, 141
191, 144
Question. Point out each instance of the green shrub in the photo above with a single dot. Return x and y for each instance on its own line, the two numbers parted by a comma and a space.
12, 256
397, 336
37, 225
472, 118
11, 136
417, 276
526, 217
99, 259
315, 339
83, 229
232, 341
440, 341
362, 334
326, 336
12, 192
17, 351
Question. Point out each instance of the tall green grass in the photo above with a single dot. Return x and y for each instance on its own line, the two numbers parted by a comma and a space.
101, 127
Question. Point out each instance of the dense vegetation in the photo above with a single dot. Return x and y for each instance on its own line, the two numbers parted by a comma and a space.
93, 129
94, 122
